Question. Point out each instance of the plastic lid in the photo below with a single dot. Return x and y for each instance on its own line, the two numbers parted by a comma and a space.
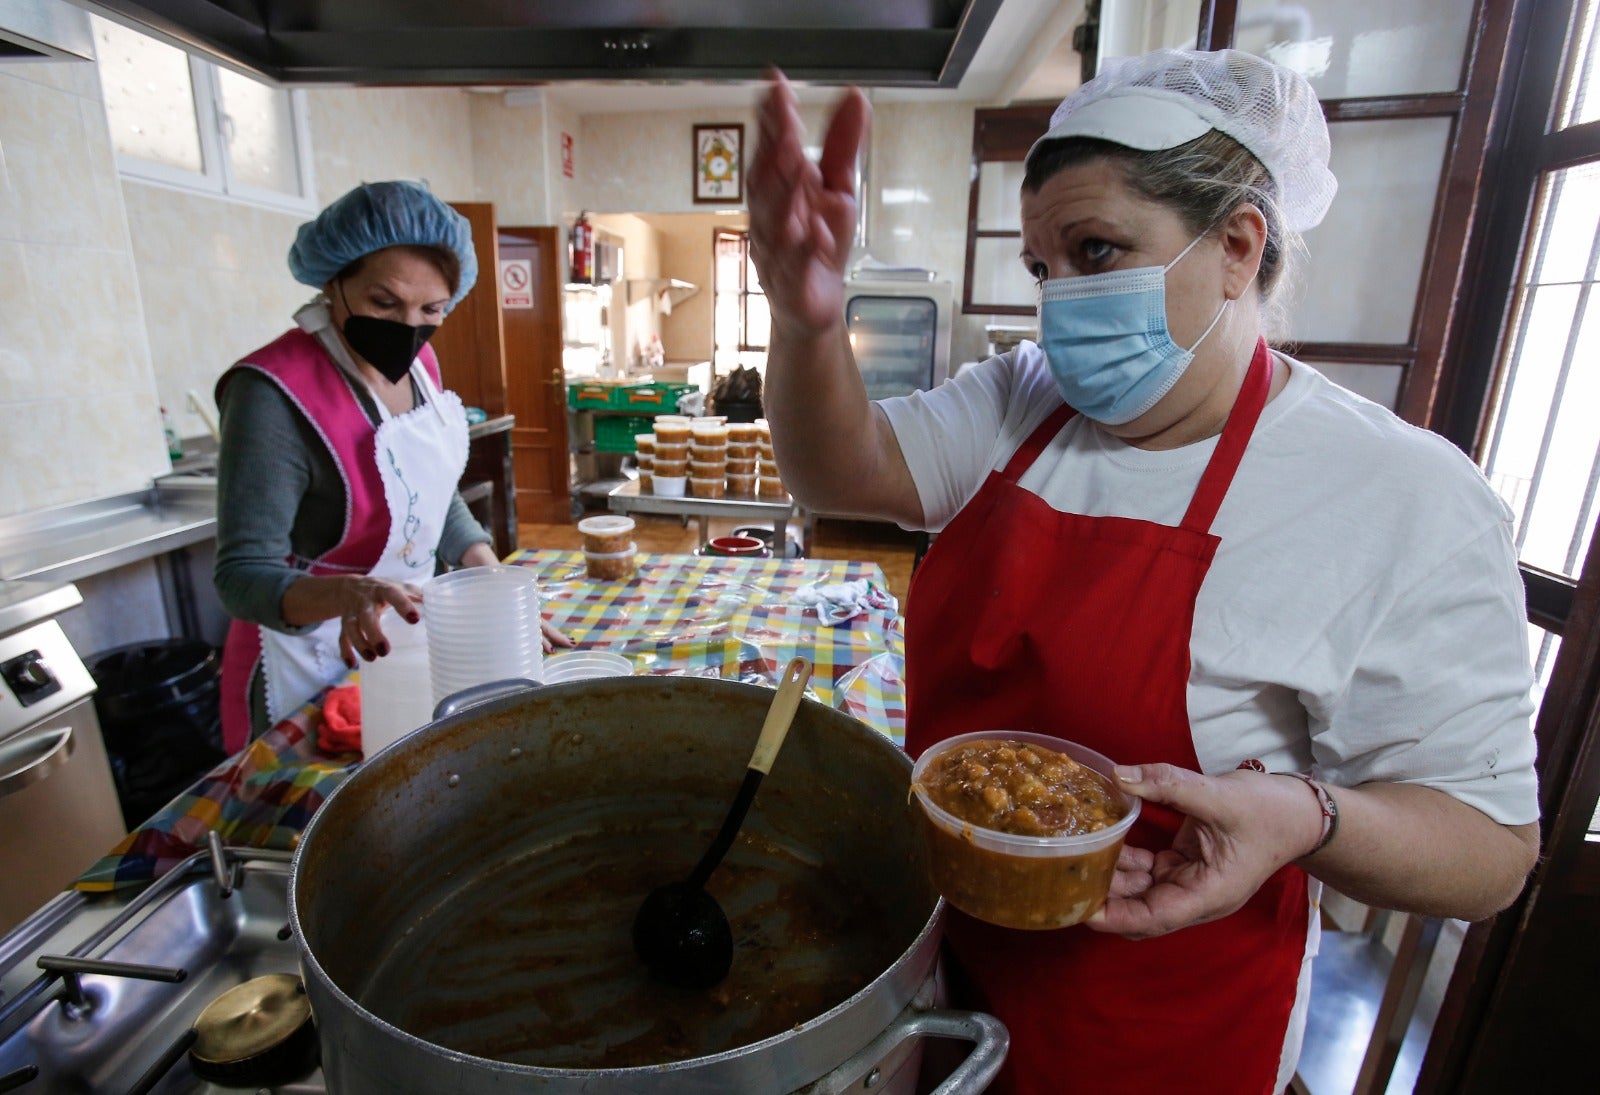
607, 525
583, 665
631, 549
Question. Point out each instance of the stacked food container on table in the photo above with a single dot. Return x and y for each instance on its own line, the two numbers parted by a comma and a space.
708, 458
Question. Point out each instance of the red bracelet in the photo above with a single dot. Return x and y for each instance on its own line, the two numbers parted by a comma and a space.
1325, 800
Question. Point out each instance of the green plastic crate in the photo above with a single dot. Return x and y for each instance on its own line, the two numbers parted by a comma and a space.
656, 397
615, 432
590, 396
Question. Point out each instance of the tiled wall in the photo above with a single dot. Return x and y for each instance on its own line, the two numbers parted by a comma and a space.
78, 415
213, 271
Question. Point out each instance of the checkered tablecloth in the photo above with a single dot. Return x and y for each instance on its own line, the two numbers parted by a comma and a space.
680, 614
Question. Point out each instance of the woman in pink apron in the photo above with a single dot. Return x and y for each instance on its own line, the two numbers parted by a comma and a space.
340, 456
1163, 540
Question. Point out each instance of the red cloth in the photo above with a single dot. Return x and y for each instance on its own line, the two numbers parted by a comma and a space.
1079, 627
341, 721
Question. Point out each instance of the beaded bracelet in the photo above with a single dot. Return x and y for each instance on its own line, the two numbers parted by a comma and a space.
1325, 800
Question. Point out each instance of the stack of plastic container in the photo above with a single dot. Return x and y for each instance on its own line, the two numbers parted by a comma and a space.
396, 694
708, 458
609, 551
670, 458
483, 625
768, 482
742, 450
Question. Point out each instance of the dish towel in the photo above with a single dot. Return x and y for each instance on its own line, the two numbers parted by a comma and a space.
837, 602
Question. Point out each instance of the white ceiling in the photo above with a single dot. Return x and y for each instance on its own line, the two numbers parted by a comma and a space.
1019, 53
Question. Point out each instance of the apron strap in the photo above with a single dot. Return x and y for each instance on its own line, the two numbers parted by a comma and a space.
1224, 462
1029, 451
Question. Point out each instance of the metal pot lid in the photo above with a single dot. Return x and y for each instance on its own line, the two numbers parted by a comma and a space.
251, 1019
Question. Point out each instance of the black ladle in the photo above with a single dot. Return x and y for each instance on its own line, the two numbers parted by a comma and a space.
680, 932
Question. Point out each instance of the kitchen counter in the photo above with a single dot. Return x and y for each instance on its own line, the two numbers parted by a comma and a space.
65, 543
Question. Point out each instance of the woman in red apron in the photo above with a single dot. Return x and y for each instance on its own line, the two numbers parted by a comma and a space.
340, 455
1155, 539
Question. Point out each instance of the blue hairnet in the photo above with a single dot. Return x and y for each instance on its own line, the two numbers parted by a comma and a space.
378, 215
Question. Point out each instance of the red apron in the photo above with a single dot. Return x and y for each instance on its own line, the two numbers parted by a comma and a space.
1026, 618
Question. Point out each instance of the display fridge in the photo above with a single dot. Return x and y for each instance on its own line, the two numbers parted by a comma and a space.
900, 333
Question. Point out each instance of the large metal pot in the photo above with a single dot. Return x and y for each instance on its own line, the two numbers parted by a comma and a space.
420, 885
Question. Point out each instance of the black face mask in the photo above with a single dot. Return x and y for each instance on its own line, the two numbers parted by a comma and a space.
387, 345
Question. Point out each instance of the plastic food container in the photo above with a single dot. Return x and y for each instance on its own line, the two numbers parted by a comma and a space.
584, 665
1027, 882
612, 565
671, 433
670, 469
668, 486
708, 488
647, 481
742, 433
609, 533
645, 461
744, 451
742, 486
669, 453
741, 467
644, 442
709, 433
771, 487
708, 453
712, 469
765, 466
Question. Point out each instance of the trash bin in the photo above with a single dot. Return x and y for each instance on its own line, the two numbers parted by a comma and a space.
159, 704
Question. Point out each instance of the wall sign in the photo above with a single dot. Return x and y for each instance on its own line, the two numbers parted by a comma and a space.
516, 283
566, 155
719, 163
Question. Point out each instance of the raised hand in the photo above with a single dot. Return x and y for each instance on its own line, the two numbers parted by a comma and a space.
803, 215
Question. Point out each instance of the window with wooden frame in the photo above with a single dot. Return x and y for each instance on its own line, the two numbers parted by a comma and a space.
743, 323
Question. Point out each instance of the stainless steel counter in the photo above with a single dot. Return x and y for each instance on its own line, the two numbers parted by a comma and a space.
65, 543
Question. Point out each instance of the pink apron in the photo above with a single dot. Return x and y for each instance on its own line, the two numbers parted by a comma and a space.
399, 480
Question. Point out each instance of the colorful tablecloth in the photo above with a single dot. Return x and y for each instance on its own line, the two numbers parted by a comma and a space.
680, 614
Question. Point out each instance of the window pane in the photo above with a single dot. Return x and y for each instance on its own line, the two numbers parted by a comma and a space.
1582, 102
149, 97
997, 273
1131, 27
1366, 257
1353, 48
1379, 383
258, 128
1543, 450
757, 320
1000, 196
1542, 649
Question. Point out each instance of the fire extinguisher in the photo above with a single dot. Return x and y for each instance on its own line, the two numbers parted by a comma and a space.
582, 249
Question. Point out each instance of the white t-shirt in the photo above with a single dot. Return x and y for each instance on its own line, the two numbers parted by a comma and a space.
1363, 618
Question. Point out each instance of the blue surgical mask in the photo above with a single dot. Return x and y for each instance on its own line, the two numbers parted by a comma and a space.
1106, 338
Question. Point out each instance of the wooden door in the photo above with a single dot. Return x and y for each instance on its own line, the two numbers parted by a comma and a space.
469, 342
536, 390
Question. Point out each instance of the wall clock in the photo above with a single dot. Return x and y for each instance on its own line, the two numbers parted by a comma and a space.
719, 163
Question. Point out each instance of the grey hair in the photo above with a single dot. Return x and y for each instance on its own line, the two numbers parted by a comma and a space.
1202, 181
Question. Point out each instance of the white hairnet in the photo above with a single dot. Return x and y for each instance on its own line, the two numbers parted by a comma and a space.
378, 215
1170, 97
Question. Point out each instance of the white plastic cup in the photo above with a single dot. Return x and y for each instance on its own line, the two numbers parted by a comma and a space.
396, 692
670, 486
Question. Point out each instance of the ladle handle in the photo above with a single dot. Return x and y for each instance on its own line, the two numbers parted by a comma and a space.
791, 689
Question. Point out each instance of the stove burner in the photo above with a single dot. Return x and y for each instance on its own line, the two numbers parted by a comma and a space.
259, 1032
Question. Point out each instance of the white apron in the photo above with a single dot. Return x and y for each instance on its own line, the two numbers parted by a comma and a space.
421, 455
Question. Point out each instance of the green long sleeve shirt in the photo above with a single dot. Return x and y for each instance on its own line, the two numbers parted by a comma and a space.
279, 494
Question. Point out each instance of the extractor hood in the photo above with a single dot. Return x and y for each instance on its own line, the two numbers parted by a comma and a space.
911, 43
